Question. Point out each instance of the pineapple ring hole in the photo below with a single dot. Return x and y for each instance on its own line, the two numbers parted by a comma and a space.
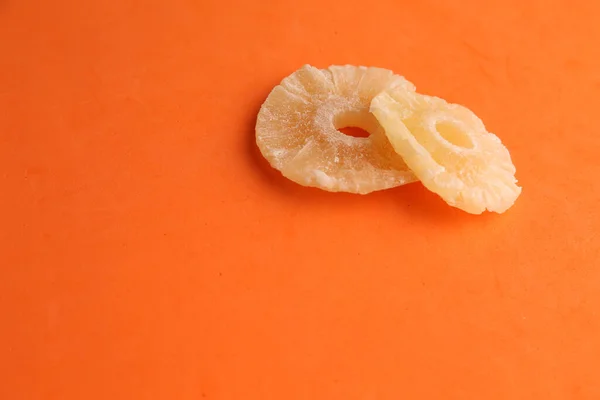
354, 131
356, 124
453, 134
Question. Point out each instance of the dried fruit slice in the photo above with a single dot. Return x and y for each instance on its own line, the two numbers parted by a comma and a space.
449, 150
297, 130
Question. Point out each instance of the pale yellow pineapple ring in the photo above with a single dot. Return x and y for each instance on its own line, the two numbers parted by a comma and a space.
297, 130
449, 150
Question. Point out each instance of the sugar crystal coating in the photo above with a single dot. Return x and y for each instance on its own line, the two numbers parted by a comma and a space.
297, 130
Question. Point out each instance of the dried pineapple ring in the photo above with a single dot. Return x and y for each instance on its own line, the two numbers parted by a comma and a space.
297, 130
449, 150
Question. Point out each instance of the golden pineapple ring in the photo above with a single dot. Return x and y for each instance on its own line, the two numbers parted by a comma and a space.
449, 150
297, 130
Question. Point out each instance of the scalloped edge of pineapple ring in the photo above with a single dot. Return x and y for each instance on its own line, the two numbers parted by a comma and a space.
409, 121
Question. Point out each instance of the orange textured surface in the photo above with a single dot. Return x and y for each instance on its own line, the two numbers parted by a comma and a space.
147, 251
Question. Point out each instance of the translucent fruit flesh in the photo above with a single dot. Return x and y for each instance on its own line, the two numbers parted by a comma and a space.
449, 150
297, 130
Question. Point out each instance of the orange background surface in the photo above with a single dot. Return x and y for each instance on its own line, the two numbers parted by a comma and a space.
147, 250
